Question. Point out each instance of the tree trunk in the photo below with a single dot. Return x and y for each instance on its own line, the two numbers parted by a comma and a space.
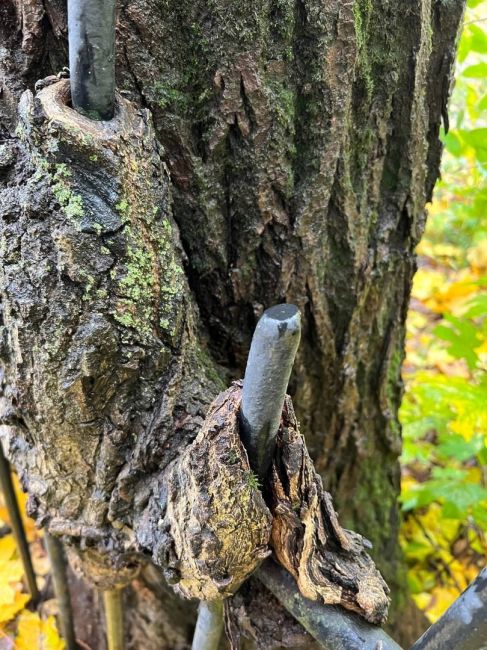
273, 151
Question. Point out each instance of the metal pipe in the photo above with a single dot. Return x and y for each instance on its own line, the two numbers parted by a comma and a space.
271, 357
464, 625
17, 524
269, 364
113, 605
332, 627
58, 563
91, 33
209, 626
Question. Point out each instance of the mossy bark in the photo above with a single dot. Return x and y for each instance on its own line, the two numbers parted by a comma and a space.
290, 148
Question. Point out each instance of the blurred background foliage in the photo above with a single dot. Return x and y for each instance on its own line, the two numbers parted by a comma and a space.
444, 415
444, 411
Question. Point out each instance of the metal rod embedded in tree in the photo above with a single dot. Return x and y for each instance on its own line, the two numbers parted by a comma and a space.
91, 29
271, 357
209, 626
333, 628
17, 525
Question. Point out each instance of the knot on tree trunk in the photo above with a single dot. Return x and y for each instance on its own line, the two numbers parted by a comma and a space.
217, 525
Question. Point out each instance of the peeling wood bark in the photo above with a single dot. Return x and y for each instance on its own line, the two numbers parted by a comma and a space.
329, 563
301, 141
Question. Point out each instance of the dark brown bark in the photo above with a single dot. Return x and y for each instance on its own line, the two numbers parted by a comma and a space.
301, 144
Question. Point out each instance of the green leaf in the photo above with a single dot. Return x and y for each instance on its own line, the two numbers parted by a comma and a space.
454, 446
483, 104
477, 138
477, 307
463, 338
453, 144
471, 4
476, 71
479, 512
478, 39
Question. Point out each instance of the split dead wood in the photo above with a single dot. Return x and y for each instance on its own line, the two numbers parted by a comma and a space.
216, 527
329, 563
217, 523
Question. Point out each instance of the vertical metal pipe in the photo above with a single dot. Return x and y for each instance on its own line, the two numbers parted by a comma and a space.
271, 357
209, 626
59, 576
17, 525
91, 32
113, 605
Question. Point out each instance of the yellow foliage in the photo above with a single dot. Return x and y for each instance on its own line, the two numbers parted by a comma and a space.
477, 257
35, 634
9, 611
10, 575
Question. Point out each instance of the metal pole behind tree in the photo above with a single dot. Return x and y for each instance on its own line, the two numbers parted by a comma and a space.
17, 524
91, 29
58, 563
113, 604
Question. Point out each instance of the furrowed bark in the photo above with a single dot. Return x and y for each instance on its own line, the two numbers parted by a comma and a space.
301, 140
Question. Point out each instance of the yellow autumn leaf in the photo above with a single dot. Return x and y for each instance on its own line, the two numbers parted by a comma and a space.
427, 282
51, 638
11, 571
8, 612
35, 634
477, 257
422, 600
442, 598
28, 631
452, 298
7, 548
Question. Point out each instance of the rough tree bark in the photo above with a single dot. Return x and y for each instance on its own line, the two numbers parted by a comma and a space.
281, 150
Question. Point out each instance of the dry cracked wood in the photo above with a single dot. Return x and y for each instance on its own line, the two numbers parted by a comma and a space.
216, 527
328, 562
216, 524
